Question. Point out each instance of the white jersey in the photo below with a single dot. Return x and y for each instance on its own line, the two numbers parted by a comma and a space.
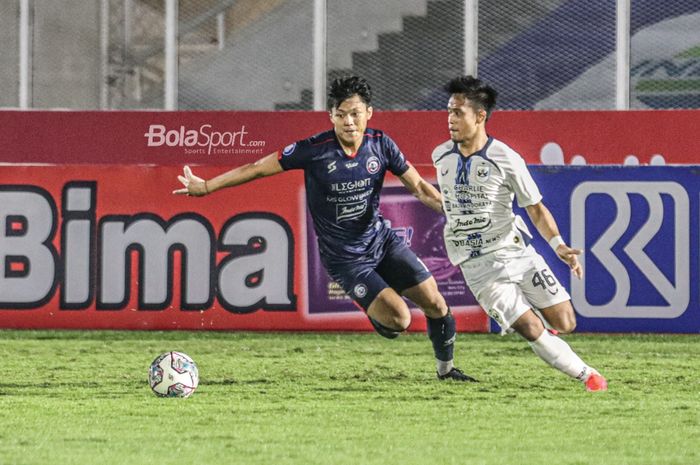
477, 196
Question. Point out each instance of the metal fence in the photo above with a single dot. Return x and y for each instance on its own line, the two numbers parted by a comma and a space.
9, 55
280, 54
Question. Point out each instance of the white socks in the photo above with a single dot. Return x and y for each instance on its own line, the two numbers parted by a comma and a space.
558, 353
444, 367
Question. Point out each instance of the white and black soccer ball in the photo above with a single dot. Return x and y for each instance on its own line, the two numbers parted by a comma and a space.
173, 374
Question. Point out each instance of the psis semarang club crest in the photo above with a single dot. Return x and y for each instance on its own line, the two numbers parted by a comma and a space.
373, 165
483, 171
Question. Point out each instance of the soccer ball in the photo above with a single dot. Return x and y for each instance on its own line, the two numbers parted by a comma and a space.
173, 374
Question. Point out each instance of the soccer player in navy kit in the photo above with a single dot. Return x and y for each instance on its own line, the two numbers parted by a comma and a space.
344, 172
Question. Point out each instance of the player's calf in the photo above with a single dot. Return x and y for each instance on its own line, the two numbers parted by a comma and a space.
557, 353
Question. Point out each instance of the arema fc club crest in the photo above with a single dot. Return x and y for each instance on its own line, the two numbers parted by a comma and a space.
373, 165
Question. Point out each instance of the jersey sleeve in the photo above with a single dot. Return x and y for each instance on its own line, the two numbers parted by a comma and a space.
396, 161
296, 155
520, 180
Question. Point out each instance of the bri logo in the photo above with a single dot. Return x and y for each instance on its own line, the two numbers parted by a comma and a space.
635, 237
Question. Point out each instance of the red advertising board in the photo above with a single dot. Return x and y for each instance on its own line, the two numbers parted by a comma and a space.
111, 247
233, 138
91, 236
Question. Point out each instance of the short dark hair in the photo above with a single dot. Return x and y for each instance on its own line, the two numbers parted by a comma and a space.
480, 95
343, 88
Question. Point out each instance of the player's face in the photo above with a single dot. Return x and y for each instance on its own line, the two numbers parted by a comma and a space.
350, 121
464, 122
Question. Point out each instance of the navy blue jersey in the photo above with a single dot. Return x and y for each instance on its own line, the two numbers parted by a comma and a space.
342, 191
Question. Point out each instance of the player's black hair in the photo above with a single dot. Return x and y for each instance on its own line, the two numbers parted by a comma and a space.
345, 87
481, 96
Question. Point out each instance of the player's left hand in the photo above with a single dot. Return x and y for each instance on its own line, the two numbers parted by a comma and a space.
570, 257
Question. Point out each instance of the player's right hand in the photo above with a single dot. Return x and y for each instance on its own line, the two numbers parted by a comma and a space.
194, 185
570, 257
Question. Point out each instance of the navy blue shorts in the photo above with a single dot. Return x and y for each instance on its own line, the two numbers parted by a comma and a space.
398, 269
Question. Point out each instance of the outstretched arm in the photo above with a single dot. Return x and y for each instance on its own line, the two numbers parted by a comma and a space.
196, 186
421, 189
546, 225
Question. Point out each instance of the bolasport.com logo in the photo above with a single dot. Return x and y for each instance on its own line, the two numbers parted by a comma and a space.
205, 140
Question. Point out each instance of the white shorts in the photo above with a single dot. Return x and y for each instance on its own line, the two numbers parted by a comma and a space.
506, 284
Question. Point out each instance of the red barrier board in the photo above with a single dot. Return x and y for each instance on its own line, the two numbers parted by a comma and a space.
110, 247
233, 138
96, 239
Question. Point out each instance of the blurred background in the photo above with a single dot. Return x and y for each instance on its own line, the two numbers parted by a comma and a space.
280, 54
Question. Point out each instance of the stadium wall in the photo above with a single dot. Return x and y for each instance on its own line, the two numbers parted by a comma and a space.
91, 236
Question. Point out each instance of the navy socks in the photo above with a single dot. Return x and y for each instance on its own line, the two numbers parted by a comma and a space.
442, 333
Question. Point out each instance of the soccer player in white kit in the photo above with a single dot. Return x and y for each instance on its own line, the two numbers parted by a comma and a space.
479, 177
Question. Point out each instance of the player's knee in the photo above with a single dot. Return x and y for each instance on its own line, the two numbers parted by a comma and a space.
389, 314
436, 306
566, 325
561, 317
390, 328
400, 321
432, 303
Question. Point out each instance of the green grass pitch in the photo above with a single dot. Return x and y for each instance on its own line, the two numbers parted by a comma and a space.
81, 397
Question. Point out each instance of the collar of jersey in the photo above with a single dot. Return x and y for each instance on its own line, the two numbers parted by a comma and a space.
481, 152
354, 154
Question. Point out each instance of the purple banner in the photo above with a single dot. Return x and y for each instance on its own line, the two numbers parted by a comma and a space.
420, 227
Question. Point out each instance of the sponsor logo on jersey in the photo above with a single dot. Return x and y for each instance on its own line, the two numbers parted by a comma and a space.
350, 211
331, 167
350, 186
352, 164
605, 212
373, 165
475, 222
288, 150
